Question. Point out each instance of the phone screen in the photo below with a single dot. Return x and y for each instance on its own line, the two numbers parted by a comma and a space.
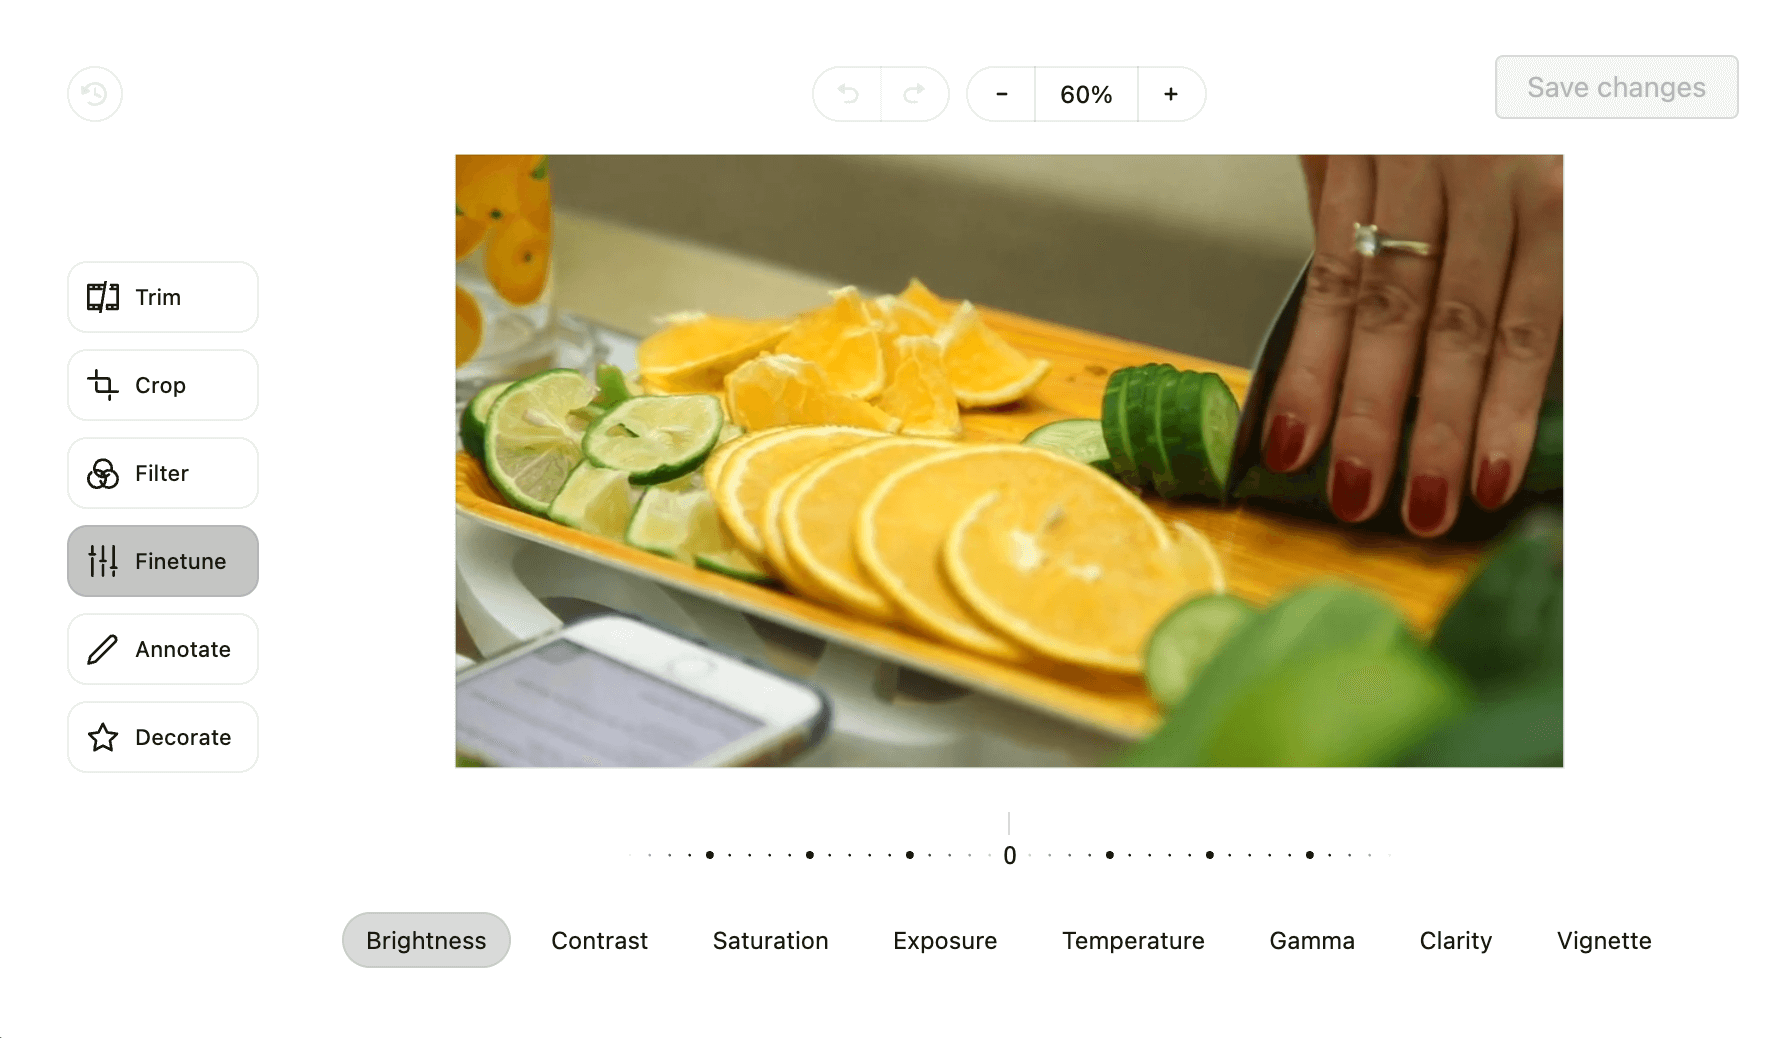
563, 705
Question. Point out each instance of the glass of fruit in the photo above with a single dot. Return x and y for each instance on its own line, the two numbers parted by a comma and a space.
503, 238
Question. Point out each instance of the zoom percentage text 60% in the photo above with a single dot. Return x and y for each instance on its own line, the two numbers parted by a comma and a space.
1082, 95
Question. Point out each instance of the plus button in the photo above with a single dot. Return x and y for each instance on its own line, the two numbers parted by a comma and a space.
1170, 94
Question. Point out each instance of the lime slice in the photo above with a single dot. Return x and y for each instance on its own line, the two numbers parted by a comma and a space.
532, 437
477, 413
656, 438
662, 522
594, 500
736, 564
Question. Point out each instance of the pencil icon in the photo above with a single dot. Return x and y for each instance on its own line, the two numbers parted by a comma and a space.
100, 650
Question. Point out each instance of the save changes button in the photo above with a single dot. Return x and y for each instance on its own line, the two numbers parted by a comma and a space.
1610, 87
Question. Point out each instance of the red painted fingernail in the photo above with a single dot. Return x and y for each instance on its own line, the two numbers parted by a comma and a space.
1286, 441
1428, 504
1494, 480
1351, 484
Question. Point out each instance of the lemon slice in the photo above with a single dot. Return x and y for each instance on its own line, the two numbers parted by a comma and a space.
532, 436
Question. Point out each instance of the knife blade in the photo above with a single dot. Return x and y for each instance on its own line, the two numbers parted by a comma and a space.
1246, 450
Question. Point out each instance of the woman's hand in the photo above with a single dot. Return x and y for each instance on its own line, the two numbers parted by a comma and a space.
1480, 321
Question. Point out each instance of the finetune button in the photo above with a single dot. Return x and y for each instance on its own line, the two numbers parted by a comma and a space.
163, 297
163, 649
155, 561
163, 473
426, 939
1617, 87
182, 385
163, 737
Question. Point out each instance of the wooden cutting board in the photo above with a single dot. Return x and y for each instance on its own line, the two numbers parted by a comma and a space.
1265, 553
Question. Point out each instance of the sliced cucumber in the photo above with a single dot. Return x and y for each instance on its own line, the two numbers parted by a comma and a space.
1140, 419
1080, 438
594, 500
1186, 640
1169, 415
1217, 432
656, 438
1112, 423
477, 413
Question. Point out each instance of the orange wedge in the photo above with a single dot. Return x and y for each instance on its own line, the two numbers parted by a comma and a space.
1075, 569
985, 371
903, 318
814, 519
919, 391
694, 351
921, 297
841, 338
900, 532
775, 390
744, 481
469, 326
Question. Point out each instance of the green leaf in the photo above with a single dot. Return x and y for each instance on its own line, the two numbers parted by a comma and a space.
540, 170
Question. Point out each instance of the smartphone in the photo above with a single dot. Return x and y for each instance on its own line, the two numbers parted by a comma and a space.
612, 691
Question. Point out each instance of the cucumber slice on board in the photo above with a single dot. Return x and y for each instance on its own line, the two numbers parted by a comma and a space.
1172, 407
1080, 438
594, 500
1218, 429
473, 419
1186, 640
655, 439
1140, 419
1112, 423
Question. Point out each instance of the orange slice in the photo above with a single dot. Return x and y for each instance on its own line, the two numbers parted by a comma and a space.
711, 465
469, 326
1075, 569
919, 392
815, 518
775, 390
842, 340
984, 369
744, 481
900, 533
516, 259
694, 351
777, 547
921, 297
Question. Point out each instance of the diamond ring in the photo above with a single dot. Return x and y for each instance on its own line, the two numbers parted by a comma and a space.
1370, 242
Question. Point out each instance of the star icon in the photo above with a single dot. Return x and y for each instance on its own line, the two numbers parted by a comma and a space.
102, 743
